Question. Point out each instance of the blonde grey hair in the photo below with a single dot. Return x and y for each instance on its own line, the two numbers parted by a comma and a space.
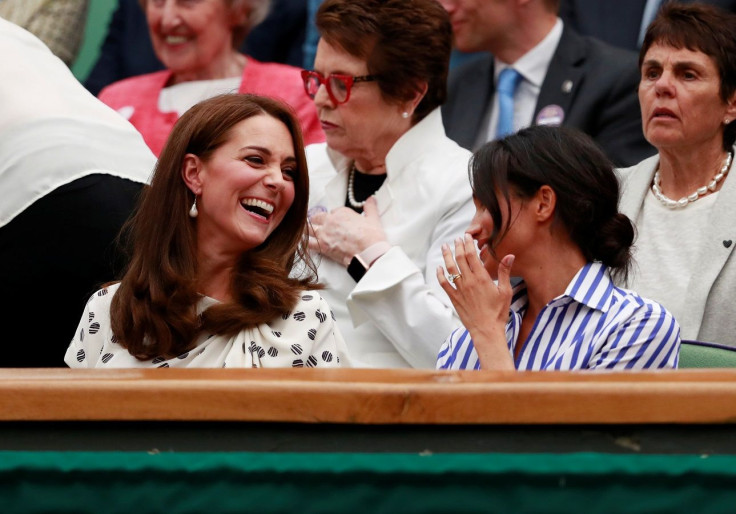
258, 11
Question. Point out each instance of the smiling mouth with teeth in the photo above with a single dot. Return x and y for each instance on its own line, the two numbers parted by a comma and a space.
258, 207
176, 40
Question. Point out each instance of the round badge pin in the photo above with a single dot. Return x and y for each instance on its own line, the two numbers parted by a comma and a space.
550, 115
315, 210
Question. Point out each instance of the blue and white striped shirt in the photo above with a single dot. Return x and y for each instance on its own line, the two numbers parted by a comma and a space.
592, 325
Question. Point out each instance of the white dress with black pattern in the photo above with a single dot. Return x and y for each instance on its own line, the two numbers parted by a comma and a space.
305, 337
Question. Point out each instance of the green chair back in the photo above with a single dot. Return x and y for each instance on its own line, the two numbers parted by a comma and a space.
699, 354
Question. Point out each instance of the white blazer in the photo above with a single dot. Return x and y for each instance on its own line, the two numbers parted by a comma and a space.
711, 290
398, 315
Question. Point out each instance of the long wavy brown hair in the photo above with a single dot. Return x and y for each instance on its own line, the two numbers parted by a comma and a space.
154, 310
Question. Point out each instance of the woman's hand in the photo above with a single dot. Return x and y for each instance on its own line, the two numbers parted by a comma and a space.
343, 233
483, 306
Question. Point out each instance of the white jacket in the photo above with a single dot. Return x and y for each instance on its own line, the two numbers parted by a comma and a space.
398, 315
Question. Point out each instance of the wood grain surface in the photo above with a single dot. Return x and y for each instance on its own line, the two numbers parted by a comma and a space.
363, 396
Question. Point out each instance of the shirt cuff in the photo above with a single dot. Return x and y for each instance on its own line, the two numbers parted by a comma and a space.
373, 252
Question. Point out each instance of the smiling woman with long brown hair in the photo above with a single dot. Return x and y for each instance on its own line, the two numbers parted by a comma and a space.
214, 241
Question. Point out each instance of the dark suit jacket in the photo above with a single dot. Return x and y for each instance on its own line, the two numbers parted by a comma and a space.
602, 101
615, 22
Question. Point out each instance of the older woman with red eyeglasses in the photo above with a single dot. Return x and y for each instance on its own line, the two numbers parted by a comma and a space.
388, 187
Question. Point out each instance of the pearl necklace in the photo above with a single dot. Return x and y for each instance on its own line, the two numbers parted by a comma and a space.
351, 195
701, 191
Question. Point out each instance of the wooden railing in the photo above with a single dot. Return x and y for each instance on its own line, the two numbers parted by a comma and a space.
361, 396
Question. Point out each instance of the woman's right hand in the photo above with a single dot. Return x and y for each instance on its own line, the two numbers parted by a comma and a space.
482, 304
343, 233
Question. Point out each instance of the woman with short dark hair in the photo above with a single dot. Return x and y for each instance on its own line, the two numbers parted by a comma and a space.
546, 208
388, 187
683, 200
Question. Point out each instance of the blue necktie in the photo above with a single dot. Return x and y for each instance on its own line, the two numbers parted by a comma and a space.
508, 79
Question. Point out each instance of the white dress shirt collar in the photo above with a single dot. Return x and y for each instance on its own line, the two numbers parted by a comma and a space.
533, 68
533, 65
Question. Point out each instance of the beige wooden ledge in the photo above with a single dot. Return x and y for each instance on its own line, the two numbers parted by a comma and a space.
365, 396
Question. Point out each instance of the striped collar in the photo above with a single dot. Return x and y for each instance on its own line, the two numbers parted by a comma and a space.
591, 286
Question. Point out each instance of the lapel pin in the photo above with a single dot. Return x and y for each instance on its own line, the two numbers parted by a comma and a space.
567, 86
552, 115
315, 210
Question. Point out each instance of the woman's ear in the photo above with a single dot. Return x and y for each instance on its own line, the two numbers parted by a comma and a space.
191, 170
545, 203
411, 105
240, 14
730, 110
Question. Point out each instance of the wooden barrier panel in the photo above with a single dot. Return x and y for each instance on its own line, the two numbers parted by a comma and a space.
323, 441
362, 396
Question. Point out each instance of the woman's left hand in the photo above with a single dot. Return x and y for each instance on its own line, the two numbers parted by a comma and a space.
483, 305
343, 233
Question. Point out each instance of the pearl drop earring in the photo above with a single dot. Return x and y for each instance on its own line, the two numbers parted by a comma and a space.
405, 115
193, 212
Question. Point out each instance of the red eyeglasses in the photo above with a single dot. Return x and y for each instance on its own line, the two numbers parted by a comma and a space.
338, 86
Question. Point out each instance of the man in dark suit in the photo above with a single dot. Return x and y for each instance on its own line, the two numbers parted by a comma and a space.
565, 78
617, 22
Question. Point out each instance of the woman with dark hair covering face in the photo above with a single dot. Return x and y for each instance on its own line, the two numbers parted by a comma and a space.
546, 209
683, 200
388, 187
214, 241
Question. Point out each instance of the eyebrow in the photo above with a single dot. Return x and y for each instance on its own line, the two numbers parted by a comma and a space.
259, 148
338, 72
268, 152
677, 65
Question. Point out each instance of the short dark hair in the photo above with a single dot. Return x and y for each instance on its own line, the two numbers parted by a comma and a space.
580, 174
704, 28
154, 310
403, 42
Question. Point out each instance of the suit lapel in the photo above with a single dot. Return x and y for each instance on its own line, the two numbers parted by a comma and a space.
477, 92
564, 75
637, 179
